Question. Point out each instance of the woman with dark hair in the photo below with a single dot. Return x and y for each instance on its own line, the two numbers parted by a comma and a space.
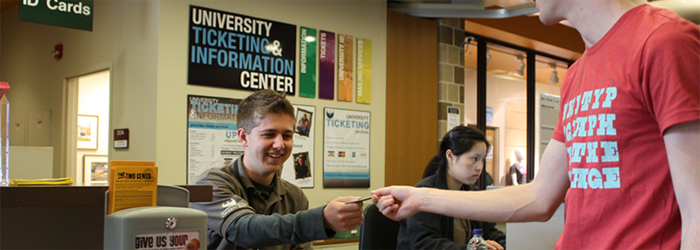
459, 165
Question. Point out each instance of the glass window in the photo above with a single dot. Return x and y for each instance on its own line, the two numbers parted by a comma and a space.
549, 75
506, 106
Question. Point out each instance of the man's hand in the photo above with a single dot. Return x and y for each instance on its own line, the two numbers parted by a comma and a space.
492, 245
397, 202
341, 217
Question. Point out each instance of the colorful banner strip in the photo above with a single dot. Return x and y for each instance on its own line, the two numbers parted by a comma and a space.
326, 76
307, 62
364, 71
345, 64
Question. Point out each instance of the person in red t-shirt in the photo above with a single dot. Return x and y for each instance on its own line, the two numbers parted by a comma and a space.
626, 148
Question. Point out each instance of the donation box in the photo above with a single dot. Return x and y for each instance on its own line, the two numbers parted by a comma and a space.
169, 226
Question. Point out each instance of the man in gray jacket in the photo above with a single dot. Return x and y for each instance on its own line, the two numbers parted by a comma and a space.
252, 206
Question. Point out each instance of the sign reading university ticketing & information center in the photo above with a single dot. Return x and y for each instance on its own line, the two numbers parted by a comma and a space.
240, 52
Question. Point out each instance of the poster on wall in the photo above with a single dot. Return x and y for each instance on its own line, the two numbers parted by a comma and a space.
364, 71
307, 62
299, 168
346, 74
211, 134
549, 115
453, 117
326, 64
235, 51
346, 148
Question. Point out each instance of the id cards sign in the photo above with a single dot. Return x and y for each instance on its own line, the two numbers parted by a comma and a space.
74, 14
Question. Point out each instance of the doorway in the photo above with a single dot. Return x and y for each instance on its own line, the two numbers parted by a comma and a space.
88, 113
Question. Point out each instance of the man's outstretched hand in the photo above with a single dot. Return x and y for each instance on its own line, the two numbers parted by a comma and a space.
341, 217
397, 202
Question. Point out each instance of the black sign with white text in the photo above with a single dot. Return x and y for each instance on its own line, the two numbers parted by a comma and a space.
240, 52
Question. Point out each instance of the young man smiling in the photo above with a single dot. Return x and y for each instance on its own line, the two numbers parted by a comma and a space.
252, 206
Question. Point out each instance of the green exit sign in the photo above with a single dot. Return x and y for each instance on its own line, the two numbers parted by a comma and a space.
63, 13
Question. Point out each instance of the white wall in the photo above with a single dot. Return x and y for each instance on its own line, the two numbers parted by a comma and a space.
363, 19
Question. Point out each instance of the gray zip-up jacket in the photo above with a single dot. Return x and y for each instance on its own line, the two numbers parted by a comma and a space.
239, 218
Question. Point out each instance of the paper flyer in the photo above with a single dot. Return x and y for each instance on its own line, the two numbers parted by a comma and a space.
132, 184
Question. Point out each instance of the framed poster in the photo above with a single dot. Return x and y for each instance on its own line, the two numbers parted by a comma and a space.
87, 131
95, 170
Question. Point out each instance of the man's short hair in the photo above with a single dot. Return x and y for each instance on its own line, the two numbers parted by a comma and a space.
258, 104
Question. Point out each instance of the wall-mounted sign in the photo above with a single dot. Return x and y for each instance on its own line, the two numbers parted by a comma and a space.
240, 52
121, 138
75, 14
453, 117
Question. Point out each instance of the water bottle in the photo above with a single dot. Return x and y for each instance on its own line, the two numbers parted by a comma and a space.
477, 242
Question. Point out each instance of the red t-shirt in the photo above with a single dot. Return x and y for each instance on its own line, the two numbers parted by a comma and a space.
617, 100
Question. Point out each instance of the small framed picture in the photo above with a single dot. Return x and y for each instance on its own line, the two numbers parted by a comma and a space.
303, 124
87, 131
95, 170
302, 166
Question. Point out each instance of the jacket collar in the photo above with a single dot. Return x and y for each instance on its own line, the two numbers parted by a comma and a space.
243, 178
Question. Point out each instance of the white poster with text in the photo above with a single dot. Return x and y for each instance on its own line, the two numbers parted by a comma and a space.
346, 148
211, 134
549, 115
453, 117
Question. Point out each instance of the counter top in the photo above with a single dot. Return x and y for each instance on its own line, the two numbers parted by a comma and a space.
41, 195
